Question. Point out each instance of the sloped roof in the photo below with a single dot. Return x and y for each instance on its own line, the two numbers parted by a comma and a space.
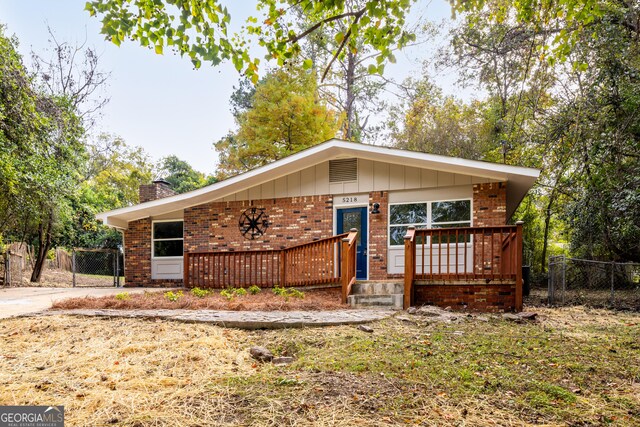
520, 179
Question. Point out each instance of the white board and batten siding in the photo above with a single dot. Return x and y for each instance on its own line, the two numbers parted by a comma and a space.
371, 176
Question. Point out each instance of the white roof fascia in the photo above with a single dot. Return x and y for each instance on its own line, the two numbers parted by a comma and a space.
317, 154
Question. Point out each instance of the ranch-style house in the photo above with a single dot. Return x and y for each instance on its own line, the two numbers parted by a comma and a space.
427, 228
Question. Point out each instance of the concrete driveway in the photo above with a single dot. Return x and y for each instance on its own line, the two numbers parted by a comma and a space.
18, 301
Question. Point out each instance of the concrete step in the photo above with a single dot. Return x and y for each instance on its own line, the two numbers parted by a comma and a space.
391, 301
377, 288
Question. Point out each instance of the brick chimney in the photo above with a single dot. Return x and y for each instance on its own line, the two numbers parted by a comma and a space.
158, 189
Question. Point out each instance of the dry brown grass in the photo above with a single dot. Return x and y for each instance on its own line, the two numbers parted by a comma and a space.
266, 300
143, 373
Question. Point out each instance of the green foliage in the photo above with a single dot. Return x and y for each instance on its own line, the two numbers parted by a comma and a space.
181, 175
253, 290
173, 296
41, 151
231, 293
430, 122
201, 31
287, 292
200, 293
228, 293
285, 117
123, 296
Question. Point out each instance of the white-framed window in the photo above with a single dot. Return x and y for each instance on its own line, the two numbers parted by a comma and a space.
434, 214
167, 239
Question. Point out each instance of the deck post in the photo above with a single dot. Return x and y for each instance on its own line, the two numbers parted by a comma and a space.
409, 265
344, 268
283, 267
519, 225
185, 270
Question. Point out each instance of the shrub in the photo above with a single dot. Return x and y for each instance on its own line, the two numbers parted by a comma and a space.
228, 293
231, 293
173, 296
279, 291
288, 292
123, 296
200, 293
295, 293
253, 289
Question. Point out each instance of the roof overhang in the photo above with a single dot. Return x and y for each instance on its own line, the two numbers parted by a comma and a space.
520, 179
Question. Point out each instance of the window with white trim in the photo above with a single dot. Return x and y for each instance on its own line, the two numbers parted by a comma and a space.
438, 214
167, 239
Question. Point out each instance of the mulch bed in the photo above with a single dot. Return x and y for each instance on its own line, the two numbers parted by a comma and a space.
266, 300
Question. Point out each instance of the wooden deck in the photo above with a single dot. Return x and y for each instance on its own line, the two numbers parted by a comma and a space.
452, 256
465, 255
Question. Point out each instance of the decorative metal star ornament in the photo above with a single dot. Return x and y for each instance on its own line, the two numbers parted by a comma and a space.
253, 223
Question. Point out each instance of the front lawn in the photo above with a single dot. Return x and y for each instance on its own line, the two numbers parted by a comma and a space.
573, 367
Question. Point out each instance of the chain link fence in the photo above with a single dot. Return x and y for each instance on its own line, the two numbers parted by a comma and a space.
96, 267
574, 281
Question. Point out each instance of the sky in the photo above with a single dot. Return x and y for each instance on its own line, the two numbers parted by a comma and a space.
160, 102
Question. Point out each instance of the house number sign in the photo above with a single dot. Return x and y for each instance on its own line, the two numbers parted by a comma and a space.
253, 223
352, 199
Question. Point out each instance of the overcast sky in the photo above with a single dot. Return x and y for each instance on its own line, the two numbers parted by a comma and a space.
160, 102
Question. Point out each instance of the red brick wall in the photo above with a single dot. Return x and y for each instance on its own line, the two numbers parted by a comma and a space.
378, 236
480, 297
293, 220
137, 256
214, 227
489, 210
490, 204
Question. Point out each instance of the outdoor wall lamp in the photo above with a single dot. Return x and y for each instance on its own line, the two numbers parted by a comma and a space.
375, 208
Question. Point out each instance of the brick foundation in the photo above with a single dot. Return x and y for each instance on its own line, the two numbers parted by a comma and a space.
480, 297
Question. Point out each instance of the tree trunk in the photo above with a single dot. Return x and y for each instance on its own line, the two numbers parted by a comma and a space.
44, 244
351, 97
545, 239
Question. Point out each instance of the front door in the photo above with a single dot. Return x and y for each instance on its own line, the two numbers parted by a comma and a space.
349, 218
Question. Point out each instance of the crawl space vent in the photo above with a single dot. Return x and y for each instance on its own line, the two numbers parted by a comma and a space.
341, 170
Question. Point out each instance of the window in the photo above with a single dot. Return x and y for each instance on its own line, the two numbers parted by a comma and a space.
441, 214
167, 239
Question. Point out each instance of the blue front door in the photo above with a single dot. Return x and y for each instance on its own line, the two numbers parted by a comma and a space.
349, 218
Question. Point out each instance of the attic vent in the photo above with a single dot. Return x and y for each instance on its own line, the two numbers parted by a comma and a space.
343, 170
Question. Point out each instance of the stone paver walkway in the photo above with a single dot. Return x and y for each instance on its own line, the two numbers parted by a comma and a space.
243, 319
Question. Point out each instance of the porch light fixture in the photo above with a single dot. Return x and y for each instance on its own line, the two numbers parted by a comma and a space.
375, 208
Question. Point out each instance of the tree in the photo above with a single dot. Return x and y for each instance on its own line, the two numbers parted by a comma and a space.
68, 92
181, 175
173, 23
285, 117
430, 122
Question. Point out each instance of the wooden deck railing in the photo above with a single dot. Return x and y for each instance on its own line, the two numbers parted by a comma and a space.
463, 254
348, 263
324, 261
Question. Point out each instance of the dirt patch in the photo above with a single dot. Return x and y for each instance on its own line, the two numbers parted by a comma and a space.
266, 300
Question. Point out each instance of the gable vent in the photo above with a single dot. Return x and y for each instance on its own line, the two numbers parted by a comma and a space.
343, 170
